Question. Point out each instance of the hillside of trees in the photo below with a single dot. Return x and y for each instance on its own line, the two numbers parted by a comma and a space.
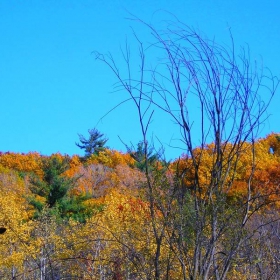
212, 213
97, 217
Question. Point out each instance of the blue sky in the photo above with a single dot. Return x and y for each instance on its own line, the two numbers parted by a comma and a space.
51, 86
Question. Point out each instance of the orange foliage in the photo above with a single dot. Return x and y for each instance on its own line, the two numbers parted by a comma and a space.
30, 162
74, 166
265, 166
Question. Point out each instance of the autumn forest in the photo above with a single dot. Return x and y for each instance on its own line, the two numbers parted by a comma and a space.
211, 213
90, 217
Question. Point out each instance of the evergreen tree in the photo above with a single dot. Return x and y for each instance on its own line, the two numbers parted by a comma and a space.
94, 144
55, 189
139, 154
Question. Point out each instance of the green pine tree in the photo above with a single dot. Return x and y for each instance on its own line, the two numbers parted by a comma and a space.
94, 144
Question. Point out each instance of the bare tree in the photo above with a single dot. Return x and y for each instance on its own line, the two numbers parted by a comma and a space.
204, 230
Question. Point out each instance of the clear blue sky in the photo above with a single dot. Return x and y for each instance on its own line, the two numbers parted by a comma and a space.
51, 87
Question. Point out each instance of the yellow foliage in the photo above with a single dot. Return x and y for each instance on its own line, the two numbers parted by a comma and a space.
111, 158
124, 227
15, 243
